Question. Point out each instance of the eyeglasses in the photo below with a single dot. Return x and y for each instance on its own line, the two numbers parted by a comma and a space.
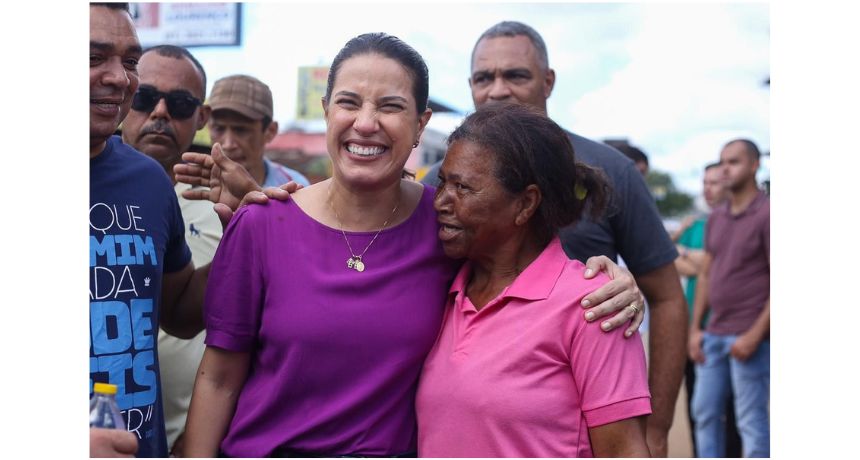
180, 104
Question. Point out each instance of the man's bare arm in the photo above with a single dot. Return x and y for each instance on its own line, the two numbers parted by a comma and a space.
689, 262
667, 339
748, 342
182, 294
700, 307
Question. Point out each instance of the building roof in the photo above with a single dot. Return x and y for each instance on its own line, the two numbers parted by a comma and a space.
312, 144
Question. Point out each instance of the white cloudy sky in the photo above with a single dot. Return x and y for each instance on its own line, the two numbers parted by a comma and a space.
814, 120
678, 80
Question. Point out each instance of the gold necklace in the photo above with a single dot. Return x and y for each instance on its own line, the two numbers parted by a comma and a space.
355, 261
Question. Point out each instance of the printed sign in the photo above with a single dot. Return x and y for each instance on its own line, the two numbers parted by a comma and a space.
312, 83
187, 24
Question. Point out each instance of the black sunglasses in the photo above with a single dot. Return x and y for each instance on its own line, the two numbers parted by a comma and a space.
180, 104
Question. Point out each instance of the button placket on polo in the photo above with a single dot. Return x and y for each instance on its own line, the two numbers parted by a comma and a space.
471, 319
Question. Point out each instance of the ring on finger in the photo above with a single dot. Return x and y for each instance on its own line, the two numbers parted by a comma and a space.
634, 307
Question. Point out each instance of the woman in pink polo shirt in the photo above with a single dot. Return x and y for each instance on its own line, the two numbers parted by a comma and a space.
515, 372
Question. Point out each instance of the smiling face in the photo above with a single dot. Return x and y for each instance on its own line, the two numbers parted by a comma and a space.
157, 133
371, 121
476, 212
114, 54
509, 69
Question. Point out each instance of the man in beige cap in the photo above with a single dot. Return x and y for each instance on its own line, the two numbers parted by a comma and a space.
242, 123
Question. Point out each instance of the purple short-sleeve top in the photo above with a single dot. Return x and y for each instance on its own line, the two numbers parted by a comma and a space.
336, 353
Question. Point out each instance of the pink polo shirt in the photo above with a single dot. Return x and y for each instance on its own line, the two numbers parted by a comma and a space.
526, 376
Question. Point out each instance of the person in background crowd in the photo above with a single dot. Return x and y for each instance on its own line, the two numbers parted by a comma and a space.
690, 237
242, 124
733, 352
166, 112
510, 63
516, 370
640, 159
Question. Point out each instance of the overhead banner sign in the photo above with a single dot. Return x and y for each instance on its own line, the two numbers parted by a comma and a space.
311, 89
187, 24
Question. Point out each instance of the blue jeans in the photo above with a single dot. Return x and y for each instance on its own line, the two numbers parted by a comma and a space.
750, 382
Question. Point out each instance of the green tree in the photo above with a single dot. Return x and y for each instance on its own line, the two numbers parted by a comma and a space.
671, 202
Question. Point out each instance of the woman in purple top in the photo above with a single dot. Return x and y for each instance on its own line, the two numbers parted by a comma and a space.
320, 310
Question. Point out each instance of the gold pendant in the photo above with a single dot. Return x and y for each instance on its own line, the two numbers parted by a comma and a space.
359, 265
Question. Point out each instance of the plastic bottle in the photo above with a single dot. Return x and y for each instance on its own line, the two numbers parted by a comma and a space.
104, 412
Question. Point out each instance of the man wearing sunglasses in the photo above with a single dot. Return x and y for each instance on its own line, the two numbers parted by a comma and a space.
167, 109
166, 112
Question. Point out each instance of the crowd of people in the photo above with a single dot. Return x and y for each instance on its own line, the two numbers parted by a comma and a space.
480, 313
